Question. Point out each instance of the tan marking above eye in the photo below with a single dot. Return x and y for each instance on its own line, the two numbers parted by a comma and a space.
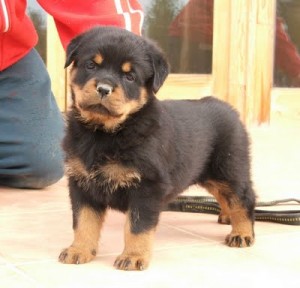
126, 67
98, 58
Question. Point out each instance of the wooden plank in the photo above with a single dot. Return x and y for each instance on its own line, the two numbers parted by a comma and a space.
260, 60
55, 64
221, 48
243, 56
252, 93
266, 11
186, 86
238, 55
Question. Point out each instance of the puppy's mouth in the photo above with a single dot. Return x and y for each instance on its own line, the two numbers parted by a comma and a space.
99, 108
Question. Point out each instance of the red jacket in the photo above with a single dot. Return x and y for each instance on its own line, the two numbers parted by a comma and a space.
18, 35
287, 57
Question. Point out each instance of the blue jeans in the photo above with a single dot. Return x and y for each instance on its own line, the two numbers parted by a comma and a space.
31, 126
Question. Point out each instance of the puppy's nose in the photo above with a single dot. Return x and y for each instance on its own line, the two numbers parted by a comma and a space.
104, 89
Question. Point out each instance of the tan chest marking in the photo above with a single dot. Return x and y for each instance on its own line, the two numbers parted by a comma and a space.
115, 175
75, 168
119, 176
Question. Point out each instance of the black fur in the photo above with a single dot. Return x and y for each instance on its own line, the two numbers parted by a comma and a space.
172, 144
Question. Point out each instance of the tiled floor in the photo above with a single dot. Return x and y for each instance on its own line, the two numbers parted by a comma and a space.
189, 248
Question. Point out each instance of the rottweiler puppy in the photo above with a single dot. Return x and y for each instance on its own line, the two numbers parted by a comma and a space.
129, 151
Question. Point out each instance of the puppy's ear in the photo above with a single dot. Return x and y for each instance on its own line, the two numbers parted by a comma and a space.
160, 67
72, 50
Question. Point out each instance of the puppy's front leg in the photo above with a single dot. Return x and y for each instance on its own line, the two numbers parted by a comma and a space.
86, 237
138, 245
87, 223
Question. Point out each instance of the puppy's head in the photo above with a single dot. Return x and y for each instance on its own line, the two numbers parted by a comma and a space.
114, 74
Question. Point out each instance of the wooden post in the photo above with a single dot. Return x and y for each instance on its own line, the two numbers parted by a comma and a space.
244, 33
55, 64
238, 55
221, 48
260, 66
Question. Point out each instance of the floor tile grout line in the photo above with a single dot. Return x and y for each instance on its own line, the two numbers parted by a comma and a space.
20, 272
179, 229
32, 212
277, 233
33, 262
190, 245
158, 249
189, 233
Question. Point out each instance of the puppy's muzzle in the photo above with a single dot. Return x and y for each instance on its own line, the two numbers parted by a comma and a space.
104, 89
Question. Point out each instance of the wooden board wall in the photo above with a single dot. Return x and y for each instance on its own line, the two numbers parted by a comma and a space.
55, 65
244, 30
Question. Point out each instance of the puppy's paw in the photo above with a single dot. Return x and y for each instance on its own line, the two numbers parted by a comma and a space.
132, 262
76, 255
237, 240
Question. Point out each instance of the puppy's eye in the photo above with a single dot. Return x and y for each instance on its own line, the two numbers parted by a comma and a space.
90, 65
130, 77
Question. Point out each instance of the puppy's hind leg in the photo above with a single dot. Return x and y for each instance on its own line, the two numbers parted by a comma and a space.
237, 210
